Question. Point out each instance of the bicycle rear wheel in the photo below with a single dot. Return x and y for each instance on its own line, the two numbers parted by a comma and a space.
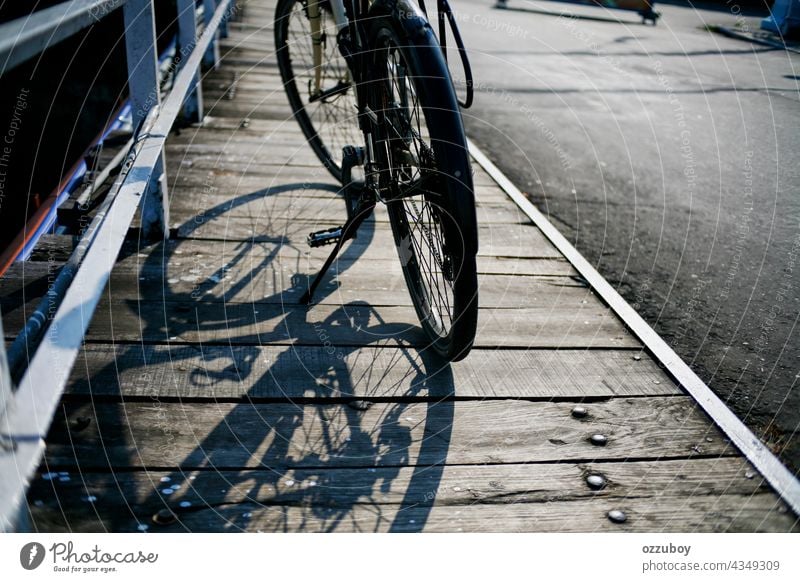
322, 98
425, 174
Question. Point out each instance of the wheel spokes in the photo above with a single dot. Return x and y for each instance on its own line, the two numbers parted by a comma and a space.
416, 186
332, 109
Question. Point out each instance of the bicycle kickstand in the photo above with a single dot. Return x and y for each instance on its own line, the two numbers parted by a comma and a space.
359, 207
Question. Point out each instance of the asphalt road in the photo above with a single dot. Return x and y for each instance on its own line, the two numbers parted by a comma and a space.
669, 156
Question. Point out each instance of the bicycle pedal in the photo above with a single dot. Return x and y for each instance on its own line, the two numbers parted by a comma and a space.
320, 238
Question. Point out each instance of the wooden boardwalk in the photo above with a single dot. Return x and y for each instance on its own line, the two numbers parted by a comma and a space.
205, 393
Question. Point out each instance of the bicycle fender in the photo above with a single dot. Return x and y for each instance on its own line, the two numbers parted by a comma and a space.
411, 19
413, 24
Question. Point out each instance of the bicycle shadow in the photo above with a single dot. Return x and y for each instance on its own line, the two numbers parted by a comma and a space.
312, 463
326, 449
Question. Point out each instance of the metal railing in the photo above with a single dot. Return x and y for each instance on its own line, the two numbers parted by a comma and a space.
26, 411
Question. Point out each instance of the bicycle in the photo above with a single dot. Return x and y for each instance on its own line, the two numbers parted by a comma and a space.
374, 73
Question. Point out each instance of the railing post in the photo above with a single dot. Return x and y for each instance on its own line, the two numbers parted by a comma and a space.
143, 85
223, 25
187, 39
211, 56
15, 521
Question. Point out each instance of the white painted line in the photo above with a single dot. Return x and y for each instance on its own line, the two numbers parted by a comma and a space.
786, 484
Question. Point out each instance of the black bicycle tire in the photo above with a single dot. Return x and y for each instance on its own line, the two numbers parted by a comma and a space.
436, 94
318, 145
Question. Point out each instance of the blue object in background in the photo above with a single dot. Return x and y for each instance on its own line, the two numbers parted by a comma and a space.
784, 18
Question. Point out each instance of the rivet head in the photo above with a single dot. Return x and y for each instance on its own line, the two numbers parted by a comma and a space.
749, 475
617, 516
598, 440
637, 357
79, 423
164, 517
596, 482
579, 412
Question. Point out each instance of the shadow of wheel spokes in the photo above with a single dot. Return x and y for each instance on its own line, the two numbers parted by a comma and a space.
312, 437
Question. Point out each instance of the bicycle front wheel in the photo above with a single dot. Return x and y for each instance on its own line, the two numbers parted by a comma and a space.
425, 175
320, 92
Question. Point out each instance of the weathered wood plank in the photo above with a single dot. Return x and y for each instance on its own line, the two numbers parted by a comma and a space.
218, 128
248, 58
55, 248
499, 240
211, 256
306, 204
271, 110
212, 272
252, 87
246, 88
226, 435
299, 196
264, 179
272, 97
289, 164
123, 499
24, 282
264, 26
450, 485
263, 279
204, 158
236, 147
252, 159
275, 372
251, 283
273, 166
351, 324
224, 129
726, 513
238, 140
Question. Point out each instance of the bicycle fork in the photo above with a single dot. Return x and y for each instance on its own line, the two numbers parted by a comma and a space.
360, 197
314, 18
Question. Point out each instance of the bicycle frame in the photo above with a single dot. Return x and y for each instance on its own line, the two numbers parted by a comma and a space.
314, 17
347, 19
407, 137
